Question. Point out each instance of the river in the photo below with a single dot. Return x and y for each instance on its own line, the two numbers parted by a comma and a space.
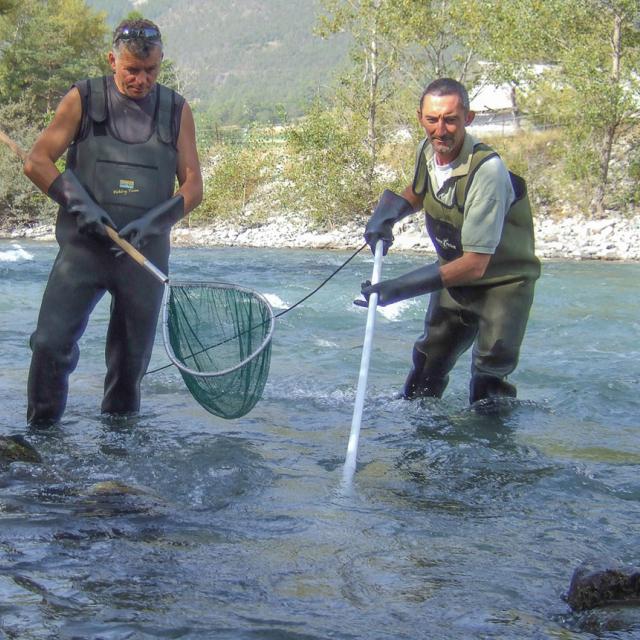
459, 523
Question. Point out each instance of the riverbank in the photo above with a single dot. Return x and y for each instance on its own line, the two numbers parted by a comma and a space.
571, 238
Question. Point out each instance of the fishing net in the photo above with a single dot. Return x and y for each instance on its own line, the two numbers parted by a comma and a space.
219, 337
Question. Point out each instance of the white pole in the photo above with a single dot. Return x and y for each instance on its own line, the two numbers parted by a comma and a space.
352, 448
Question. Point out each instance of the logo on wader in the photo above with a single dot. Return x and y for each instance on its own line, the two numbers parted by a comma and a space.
125, 187
446, 244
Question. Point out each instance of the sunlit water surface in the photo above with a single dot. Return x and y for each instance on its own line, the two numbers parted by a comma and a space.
459, 524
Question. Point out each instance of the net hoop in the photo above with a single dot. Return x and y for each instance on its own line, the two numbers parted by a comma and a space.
212, 285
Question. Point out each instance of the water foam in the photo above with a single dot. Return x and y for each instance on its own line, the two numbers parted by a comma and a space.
394, 312
275, 301
15, 254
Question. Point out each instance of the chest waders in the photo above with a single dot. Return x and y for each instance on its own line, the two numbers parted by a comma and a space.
492, 313
126, 180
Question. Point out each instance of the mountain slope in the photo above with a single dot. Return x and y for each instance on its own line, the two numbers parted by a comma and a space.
243, 57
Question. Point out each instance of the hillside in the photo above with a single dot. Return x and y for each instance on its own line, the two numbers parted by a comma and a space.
243, 57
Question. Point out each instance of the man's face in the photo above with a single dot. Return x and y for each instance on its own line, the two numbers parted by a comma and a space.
444, 120
134, 76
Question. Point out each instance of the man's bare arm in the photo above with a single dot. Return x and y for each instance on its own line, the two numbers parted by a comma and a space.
463, 270
415, 200
189, 174
39, 165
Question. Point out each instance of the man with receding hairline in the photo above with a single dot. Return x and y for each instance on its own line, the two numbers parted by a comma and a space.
127, 139
479, 219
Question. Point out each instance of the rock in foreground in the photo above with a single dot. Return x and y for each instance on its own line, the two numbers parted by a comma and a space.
598, 586
16, 449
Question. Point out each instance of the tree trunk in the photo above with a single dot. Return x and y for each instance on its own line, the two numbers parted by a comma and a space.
597, 202
514, 109
373, 100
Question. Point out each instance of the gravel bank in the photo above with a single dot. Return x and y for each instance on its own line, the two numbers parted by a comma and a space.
571, 238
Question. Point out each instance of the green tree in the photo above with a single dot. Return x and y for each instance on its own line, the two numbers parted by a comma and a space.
588, 84
7, 6
443, 38
45, 47
377, 29
398, 47
51, 45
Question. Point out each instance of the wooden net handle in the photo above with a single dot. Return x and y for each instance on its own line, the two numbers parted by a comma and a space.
132, 252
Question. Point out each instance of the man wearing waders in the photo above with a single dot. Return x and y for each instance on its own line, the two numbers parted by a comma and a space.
128, 139
478, 217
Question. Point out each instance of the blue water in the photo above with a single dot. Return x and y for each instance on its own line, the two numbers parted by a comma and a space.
459, 524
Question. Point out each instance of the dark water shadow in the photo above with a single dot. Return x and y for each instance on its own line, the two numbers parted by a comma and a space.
460, 460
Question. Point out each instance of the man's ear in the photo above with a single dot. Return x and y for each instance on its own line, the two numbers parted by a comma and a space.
469, 118
111, 57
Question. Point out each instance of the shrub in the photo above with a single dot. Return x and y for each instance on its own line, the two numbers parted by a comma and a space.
233, 177
327, 167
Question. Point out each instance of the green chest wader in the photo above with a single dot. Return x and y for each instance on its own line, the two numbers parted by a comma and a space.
514, 258
491, 313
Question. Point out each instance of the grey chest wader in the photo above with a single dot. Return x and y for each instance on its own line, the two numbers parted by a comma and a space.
126, 179
492, 313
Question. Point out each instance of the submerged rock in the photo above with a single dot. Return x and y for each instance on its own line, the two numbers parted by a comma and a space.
114, 488
116, 498
601, 585
16, 449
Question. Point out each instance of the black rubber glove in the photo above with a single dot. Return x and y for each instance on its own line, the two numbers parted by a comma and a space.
156, 222
415, 283
69, 193
390, 208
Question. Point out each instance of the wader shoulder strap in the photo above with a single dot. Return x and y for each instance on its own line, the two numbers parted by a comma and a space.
98, 99
421, 174
481, 153
519, 186
166, 101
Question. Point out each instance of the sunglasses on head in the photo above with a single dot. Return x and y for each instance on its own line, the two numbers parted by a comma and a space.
141, 33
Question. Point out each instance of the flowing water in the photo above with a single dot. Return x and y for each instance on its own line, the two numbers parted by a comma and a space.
459, 523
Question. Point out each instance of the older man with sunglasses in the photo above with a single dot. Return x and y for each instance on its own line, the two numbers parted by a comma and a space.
127, 140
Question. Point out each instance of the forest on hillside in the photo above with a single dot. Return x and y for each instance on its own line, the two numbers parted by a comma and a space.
572, 66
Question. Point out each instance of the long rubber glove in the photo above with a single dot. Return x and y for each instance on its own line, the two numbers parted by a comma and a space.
415, 283
156, 222
69, 193
390, 208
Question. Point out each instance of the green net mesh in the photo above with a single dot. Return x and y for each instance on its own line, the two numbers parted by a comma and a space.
219, 337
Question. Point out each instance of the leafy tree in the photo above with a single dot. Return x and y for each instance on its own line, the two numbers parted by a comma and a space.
21, 202
589, 84
375, 26
6, 6
398, 47
8, 11
443, 38
52, 45
46, 46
